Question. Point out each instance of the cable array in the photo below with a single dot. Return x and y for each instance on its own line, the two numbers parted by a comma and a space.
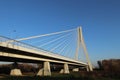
63, 43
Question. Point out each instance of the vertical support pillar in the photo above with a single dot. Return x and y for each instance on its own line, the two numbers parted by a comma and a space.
78, 44
40, 72
66, 69
87, 68
87, 57
81, 41
62, 71
45, 71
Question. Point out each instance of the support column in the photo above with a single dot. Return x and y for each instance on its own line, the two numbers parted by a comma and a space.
66, 69
75, 70
62, 71
82, 43
45, 71
87, 68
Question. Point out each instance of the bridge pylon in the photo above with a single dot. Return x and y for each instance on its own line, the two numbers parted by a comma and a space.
80, 42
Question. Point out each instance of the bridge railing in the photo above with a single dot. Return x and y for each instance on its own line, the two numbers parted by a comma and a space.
18, 43
13, 42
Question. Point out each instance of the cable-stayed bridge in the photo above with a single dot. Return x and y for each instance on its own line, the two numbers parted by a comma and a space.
64, 47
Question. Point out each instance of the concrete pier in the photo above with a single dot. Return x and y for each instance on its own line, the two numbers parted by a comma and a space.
45, 71
66, 69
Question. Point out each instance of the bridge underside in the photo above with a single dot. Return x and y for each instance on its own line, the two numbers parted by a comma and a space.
11, 59
5, 53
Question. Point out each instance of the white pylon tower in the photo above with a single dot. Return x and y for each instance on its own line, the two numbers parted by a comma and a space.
80, 42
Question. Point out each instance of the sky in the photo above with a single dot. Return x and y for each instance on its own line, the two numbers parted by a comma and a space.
100, 21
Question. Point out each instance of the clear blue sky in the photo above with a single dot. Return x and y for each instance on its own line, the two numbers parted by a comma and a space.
100, 20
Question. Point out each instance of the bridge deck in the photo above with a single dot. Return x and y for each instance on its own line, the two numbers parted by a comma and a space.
26, 52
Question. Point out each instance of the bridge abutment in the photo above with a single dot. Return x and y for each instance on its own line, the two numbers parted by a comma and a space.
45, 71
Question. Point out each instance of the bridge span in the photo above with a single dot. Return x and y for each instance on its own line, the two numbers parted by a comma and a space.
16, 51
